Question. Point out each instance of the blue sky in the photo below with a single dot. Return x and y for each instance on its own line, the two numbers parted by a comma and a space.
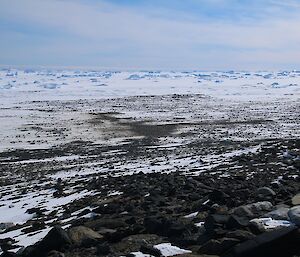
151, 34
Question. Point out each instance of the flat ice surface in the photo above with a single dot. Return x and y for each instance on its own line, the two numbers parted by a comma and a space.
30, 85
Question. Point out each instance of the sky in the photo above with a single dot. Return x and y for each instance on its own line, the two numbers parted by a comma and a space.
151, 34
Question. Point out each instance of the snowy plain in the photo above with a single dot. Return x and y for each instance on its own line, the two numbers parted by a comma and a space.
43, 112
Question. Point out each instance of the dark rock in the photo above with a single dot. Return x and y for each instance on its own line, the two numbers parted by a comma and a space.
37, 225
265, 193
162, 226
6, 225
37, 211
241, 235
279, 214
236, 222
218, 247
214, 221
133, 243
294, 215
218, 196
6, 244
109, 208
105, 223
277, 243
56, 239
55, 254
8, 254
253, 210
147, 249
103, 249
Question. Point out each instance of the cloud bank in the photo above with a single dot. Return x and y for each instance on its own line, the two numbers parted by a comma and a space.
190, 34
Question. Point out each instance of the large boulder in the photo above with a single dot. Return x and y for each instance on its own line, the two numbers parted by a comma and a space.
83, 235
294, 215
276, 243
56, 239
253, 210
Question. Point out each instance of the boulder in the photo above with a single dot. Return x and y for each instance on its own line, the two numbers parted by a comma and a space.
279, 214
276, 243
7, 244
241, 235
296, 199
218, 247
253, 210
215, 221
294, 215
236, 222
57, 239
265, 193
164, 226
148, 249
83, 235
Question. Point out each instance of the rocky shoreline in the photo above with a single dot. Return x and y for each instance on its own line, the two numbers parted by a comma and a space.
253, 212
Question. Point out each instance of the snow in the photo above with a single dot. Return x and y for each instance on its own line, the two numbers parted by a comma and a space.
167, 249
68, 84
191, 215
15, 210
269, 223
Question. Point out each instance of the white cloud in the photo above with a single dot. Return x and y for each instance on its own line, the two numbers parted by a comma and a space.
104, 27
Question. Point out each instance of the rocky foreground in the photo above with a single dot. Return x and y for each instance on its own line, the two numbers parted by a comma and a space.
252, 211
